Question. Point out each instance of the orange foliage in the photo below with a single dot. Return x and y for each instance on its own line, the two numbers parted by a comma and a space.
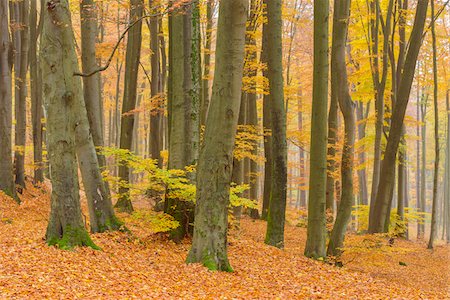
143, 265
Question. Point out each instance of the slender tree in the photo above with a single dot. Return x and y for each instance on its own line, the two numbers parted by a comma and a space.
434, 209
316, 233
36, 94
133, 54
6, 61
277, 206
380, 208
340, 90
209, 244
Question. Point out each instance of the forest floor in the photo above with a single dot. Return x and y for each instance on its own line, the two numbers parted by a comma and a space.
141, 265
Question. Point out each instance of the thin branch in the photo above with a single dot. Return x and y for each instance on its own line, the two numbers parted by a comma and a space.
168, 9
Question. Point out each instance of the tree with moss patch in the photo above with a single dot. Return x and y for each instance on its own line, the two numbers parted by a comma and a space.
209, 245
63, 98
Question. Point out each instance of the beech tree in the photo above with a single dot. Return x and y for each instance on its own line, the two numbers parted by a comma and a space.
63, 103
387, 175
6, 55
133, 54
209, 244
277, 205
315, 244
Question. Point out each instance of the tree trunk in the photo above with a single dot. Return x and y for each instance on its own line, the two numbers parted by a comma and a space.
209, 245
387, 175
341, 92
423, 167
362, 157
207, 62
6, 166
267, 125
331, 153
36, 96
63, 96
22, 36
129, 99
156, 90
316, 233
277, 205
447, 172
434, 209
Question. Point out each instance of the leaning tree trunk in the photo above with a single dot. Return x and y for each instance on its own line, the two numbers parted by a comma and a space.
6, 167
36, 97
129, 99
341, 92
277, 205
316, 233
209, 244
434, 209
63, 95
387, 176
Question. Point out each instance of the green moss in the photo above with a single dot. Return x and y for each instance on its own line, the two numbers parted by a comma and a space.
209, 262
72, 237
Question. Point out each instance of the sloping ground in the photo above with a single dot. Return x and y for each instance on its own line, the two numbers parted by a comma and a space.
140, 265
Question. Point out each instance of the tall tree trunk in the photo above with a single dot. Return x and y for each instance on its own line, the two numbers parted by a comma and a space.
91, 84
301, 154
267, 125
22, 35
209, 244
36, 96
340, 90
387, 175
6, 167
277, 205
207, 62
434, 209
316, 233
63, 96
362, 157
129, 98
331, 153
418, 169
423, 167
447, 172
156, 90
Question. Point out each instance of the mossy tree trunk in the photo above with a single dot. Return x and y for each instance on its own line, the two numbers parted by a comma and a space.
277, 205
184, 103
209, 245
6, 166
316, 233
63, 96
132, 57
383, 198
340, 90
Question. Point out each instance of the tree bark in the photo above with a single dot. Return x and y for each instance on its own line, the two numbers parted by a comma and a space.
62, 94
387, 175
207, 62
129, 99
316, 233
6, 166
209, 245
341, 91
434, 209
277, 205
36, 96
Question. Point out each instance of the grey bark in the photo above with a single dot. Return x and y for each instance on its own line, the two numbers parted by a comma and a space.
133, 54
209, 245
341, 91
387, 175
277, 205
316, 233
6, 57
63, 97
